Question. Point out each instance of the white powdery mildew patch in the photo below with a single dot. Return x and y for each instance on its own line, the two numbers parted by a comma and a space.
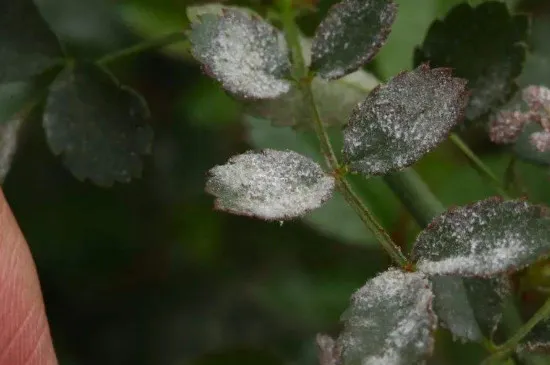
246, 54
483, 239
272, 185
351, 35
404, 119
390, 321
8, 145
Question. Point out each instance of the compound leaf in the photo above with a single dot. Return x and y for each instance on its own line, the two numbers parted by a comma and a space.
484, 46
97, 125
390, 321
401, 121
272, 185
335, 100
246, 54
27, 43
484, 239
470, 308
350, 36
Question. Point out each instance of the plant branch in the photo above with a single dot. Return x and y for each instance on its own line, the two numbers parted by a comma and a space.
300, 72
480, 166
148, 45
510, 346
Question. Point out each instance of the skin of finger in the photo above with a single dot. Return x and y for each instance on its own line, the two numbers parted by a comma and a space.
24, 332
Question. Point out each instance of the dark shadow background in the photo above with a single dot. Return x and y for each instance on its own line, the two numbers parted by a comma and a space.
147, 273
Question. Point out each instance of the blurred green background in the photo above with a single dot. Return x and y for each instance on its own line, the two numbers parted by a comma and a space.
147, 273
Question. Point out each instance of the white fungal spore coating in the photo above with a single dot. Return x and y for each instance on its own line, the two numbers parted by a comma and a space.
404, 119
390, 321
272, 185
351, 35
246, 54
484, 239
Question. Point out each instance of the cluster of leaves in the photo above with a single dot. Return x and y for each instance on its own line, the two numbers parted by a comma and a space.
96, 124
461, 261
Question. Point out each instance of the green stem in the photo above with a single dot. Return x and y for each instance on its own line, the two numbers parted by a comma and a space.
145, 46
480, 166
300, 73
510, 346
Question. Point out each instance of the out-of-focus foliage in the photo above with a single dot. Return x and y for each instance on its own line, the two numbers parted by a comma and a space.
148, 274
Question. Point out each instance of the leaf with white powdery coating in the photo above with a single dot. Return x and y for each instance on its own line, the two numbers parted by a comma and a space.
401, 121
246, 54
390, 321
28, 46
538, 340
97, 125
484, 239
469, 308
484, 46
350, 36
272, 185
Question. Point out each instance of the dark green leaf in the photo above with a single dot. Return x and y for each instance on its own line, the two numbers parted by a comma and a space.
484, 46
470, 308
246, 54
8, 144
335, 101
484, 239
538, 340
389, 321
28, 45
401, 121
98, 125
350, 36
272, 185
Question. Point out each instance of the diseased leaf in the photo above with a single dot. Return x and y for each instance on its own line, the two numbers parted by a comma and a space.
401, 121
336, 218
27, 43
350, 36
272, 185
483, 45
484, 239
8, 145
195, 12
97, 125
390, 321
470, 308
525, 149
246, 54
538, 340
335, 101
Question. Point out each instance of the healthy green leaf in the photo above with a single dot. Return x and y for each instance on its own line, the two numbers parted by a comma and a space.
484, 239
8, 144
390, 321
246, 54
272, 185
469, 307
484, 46
351, 35
28, 45
98, 125
401, 121
335, 101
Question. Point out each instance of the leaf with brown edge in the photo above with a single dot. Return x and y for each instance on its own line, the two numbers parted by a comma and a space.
350, 36
401, 121
484, 239
246, 54
271, 185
